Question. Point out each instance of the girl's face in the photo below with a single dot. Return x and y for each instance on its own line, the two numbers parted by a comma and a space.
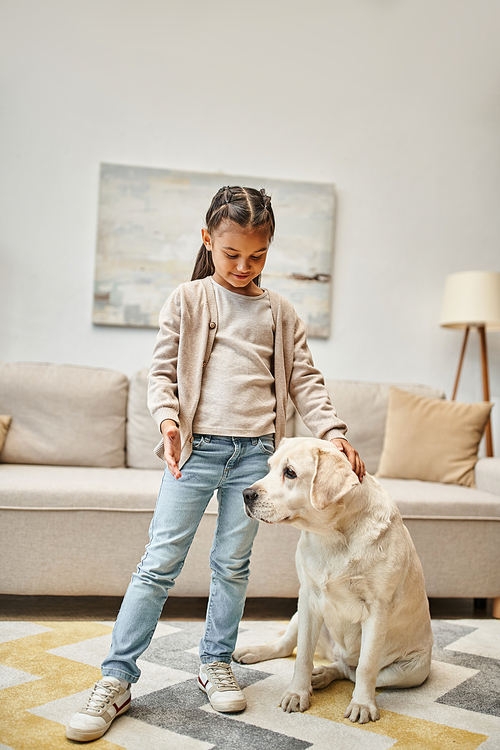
238, 255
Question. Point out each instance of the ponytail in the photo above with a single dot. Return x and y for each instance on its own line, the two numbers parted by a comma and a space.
204, 265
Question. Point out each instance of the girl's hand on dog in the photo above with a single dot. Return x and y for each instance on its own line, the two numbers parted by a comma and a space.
172, 446
352, 454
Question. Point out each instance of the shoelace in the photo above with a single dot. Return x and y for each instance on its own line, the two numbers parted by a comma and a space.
222, 676
102, 693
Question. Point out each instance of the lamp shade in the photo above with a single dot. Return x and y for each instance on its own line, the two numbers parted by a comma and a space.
472, 298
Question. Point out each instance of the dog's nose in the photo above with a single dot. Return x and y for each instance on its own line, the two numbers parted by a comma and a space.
250, 495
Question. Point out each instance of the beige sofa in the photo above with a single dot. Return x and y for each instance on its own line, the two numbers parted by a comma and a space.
78, 484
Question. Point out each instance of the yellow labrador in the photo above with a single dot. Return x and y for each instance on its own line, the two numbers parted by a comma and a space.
360, 578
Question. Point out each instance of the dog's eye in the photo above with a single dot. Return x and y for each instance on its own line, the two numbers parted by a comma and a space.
289, 473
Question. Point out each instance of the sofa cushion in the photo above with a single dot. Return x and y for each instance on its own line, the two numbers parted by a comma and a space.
78, 488
487, 473
142, 431
433, 500
432, 439
63, 414
5, 421
363, 406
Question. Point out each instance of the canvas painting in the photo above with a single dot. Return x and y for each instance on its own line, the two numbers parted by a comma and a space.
149, 233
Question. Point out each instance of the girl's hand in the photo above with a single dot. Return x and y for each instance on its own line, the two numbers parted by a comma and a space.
172, 446
352, 454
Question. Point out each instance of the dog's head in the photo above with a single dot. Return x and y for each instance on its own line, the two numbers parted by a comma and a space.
307, 481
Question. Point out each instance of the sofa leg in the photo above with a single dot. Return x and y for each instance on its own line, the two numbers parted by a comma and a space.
496, 607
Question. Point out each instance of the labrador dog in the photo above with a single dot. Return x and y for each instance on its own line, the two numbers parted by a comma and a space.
360, 578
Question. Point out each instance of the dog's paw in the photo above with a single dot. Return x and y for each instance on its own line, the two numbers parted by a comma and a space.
323, 676
296, 700
362, 712
249, 654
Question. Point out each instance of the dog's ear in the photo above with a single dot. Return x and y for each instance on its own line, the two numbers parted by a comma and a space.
333, 478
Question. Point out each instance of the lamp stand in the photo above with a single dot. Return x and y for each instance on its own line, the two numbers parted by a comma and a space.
486, 384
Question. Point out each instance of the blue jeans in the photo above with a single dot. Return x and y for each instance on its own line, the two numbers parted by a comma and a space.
223, 464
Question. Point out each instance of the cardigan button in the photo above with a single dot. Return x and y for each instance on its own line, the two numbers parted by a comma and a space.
212, 324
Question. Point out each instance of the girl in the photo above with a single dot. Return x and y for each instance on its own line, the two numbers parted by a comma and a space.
227, 357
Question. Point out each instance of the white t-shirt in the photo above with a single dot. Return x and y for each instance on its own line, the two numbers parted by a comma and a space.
237, 396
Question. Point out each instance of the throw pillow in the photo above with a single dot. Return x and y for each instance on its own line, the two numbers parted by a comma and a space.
432, 439
4, 426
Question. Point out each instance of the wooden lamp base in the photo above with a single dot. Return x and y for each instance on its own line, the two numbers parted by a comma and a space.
486, 385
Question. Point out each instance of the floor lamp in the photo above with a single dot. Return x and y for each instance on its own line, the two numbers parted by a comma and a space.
472, 300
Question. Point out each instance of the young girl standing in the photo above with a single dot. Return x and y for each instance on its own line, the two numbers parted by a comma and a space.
228, 355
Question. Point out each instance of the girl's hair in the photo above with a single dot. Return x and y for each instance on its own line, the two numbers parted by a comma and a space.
248, 207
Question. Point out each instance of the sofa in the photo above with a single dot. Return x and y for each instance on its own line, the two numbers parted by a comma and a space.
79, 480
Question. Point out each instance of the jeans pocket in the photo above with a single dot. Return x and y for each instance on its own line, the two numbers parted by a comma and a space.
266, 444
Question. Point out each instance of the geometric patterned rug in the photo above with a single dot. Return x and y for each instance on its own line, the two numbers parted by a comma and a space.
47, 668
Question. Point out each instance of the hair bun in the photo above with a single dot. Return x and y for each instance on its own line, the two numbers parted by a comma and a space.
266, 199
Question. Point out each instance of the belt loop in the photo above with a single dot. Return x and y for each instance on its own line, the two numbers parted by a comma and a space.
255, 441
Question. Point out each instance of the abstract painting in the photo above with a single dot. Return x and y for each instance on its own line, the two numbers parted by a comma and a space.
149, 233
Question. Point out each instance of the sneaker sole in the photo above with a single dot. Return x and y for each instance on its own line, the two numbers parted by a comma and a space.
85, 735
225, 708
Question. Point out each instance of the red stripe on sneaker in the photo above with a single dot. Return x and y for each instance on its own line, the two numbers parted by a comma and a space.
123, 705
203, 684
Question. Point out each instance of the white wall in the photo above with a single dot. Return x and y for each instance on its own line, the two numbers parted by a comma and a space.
395, 101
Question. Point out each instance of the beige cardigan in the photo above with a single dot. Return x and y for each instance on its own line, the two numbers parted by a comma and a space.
188, 326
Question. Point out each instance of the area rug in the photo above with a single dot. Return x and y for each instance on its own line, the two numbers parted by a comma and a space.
46, 669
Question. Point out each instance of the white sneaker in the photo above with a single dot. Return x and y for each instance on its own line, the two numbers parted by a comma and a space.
108, 699
219, 683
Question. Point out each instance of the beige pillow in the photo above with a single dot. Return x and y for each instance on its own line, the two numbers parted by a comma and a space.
143, 434
432, 439
4, 426
63, 415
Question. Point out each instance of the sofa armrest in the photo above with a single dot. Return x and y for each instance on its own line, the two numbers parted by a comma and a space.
488, 475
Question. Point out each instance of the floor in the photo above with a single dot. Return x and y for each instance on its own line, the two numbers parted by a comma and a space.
193, 608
